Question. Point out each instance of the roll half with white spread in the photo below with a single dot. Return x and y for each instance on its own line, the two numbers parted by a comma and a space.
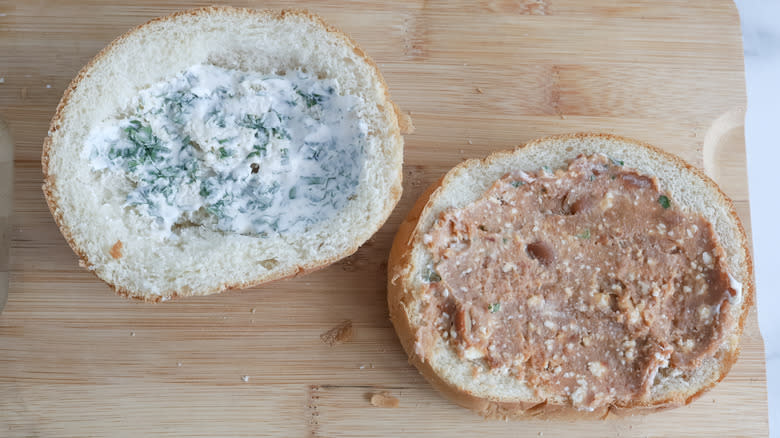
222, 148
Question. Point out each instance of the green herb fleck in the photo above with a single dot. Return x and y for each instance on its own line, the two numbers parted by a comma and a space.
616, 162
223, 153
592, 177
585, 234
280, 133
547, 169
148, 146
258, 151
495, 307
253, 122
223, 141
664, 201
517, 184
613, 176
505, 240
310, 99
204, 190
313, 180
218, 117
192, 171
431, 276
292, 193
217, 207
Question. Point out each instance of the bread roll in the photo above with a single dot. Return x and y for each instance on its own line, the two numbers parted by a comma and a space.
485, 323
222, 148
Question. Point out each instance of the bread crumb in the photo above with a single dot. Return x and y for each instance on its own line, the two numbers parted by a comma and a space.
479, 90
338, 334
405, 123
597, 368
116, 250
48, 85
132, 333
253, 310
178, 364
384, 400
245, 378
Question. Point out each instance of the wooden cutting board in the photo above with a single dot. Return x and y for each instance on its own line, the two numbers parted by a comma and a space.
476, 77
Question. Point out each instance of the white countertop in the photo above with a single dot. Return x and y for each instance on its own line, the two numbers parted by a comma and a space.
761, 39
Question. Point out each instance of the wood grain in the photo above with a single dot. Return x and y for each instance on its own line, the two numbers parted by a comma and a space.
6, 207
476, 77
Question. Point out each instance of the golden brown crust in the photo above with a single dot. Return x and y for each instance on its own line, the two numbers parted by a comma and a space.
116, 250
399, 268
49, 180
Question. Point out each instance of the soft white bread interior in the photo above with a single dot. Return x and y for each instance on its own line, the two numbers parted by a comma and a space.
114, 241
505, 396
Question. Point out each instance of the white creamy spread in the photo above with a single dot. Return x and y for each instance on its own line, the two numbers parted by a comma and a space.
235, 151
737, 287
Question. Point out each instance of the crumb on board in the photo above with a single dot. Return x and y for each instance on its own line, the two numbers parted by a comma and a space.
244, 379
338, 334
384, 400
479, 90
116, 250
405, 123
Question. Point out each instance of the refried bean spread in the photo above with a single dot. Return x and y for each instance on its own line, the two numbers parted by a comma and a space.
584, 282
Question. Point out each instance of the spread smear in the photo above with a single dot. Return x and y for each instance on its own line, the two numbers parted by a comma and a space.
584, 282
234, 151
